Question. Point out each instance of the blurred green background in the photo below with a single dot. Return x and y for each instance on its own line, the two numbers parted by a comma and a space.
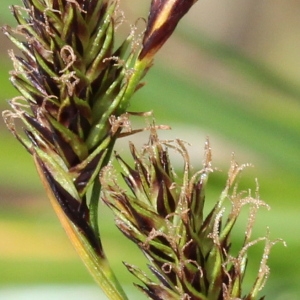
232, 73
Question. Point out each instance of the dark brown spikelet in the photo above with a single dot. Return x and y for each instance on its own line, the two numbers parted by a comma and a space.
189, 253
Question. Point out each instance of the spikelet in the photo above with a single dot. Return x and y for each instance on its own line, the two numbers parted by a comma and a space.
72, 80
189, 253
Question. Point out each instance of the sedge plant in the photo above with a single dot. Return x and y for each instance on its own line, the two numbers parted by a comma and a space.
75, 87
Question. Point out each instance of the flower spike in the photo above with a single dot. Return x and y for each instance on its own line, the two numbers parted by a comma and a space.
189, 253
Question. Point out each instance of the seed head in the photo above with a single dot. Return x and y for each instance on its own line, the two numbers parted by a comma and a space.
189, 253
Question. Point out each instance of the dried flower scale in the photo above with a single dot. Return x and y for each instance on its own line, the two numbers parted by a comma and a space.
75, 86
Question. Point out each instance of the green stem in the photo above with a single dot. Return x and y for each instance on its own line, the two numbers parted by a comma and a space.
93, 207
96, 190
110, 285
134, 80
